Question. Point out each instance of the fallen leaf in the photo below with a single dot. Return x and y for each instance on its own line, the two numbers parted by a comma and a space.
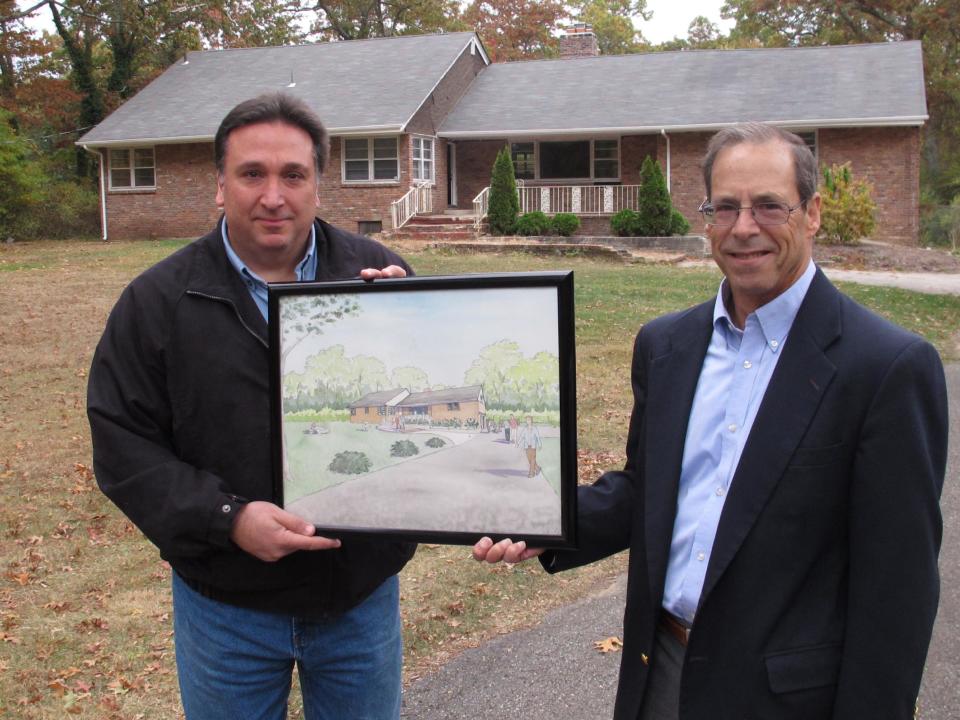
608, 645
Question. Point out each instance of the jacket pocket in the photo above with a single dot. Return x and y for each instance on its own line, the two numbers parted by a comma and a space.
803, 669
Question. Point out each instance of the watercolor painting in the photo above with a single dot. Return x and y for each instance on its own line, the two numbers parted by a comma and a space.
432, 408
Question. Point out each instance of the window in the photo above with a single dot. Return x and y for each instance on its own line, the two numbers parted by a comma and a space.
423, 159
567, 160
369, 227
606, 163
524, 160
370, 160
453, 406
132, 168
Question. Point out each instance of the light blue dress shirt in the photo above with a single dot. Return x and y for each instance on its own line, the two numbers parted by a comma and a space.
734, 377
306, 269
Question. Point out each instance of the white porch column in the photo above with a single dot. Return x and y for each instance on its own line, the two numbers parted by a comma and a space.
575, 199
545, 199
608, 199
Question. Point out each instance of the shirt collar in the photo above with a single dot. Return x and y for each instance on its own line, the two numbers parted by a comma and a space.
777, 316
306, 268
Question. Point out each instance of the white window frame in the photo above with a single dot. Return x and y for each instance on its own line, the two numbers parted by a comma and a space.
421, 163
593, 175
131, 167
371, 158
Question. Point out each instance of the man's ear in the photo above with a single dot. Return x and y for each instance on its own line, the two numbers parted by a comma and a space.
813, 215
220, 190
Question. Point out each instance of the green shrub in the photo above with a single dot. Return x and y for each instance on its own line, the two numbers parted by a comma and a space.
940, 225
653, 201
70, 209
846, 210
566, 224
21, 184
435, 442
678, 223
623, 223
404, 448
504, 204
350, 462
533, 223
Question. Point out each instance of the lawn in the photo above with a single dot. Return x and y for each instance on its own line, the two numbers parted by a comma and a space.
85, 624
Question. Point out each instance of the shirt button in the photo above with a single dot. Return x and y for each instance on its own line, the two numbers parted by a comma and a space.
774, 344
719, 492
732, 427
225, 508
701, 556
747, 364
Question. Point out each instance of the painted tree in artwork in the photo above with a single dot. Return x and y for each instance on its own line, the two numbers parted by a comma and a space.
306, 316
490, 369
412, 378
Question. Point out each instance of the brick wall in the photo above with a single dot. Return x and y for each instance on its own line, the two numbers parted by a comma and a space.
686, 178
889, 158
183, 205
474, 165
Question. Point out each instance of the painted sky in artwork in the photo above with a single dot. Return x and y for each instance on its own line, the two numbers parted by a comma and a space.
440, 331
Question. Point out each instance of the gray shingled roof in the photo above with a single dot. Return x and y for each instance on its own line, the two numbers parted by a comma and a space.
355, 85
433, 397
848, 85
381, 397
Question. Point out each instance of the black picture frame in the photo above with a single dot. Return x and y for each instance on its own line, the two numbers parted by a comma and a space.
373, 436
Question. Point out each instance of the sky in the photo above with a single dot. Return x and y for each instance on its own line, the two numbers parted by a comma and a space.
440, 332
671, 18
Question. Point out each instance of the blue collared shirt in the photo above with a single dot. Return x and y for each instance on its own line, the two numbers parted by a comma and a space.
734, 377
306, 269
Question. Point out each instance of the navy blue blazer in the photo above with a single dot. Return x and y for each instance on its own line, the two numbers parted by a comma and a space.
822, 587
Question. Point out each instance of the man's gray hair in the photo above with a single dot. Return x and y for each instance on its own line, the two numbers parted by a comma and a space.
804, 163
274, 107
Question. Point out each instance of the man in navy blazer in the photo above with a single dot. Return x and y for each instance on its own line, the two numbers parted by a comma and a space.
780, 499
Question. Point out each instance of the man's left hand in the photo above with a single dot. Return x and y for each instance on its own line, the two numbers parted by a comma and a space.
390, 271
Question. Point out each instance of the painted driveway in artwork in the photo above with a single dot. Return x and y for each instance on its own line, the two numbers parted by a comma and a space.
477, 483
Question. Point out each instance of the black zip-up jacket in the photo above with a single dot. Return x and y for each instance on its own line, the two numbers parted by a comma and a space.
179, 409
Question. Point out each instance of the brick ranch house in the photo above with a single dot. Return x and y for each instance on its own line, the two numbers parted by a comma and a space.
431, 111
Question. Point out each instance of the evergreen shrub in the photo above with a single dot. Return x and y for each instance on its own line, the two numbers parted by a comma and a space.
847, 208
624, 222
404, 448
653, 201
533, 223
504, 204
566, 224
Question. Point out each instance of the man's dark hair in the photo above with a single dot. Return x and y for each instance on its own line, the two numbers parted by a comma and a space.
804, 163
274, 107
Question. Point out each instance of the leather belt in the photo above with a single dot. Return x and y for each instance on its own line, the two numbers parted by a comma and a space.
674, 626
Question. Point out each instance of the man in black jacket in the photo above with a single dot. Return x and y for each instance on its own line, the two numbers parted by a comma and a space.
785, 458
179, 410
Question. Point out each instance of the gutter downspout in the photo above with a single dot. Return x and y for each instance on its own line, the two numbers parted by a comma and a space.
103, 192
667, 138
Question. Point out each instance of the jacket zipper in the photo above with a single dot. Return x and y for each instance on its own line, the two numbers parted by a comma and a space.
230, 302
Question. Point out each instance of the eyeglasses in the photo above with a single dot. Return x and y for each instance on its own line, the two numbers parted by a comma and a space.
764, 213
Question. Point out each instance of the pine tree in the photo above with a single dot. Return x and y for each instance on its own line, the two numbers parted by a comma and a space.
654, 206
504, 203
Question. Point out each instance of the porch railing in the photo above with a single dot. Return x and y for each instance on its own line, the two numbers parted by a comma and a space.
577, 199
418, 199
481, 203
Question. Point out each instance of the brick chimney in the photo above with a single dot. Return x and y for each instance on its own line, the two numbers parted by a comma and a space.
579, 41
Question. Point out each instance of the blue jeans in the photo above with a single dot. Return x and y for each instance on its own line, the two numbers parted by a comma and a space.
237, 663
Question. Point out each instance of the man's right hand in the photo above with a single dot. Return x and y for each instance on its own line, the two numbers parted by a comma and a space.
505, 550
269, 532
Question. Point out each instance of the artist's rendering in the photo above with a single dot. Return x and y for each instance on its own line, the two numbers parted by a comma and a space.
416, 122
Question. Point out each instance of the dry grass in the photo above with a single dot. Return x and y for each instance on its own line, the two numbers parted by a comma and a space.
85, 626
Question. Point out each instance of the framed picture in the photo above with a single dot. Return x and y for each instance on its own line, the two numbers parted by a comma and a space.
431, 409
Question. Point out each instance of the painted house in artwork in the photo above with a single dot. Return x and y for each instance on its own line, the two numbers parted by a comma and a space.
416, 122
465, 405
